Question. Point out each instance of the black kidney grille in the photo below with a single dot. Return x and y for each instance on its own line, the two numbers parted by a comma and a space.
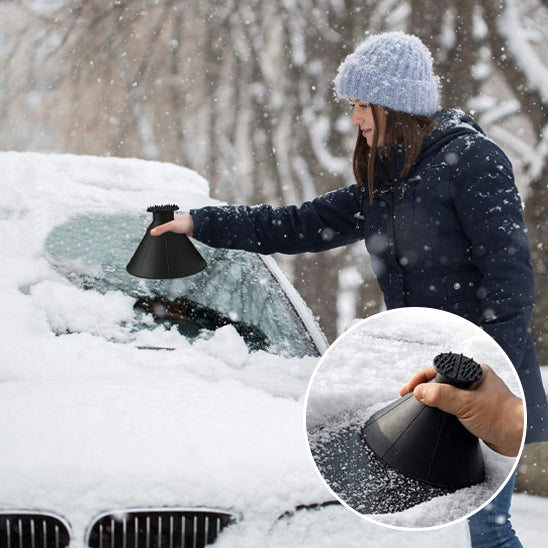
32, 530
185, 528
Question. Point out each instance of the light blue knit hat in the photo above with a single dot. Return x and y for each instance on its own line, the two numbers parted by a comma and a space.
392, 69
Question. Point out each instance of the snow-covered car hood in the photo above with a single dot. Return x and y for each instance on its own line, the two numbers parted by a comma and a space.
89, 424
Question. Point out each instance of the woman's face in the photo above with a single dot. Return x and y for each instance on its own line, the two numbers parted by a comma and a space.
362, 116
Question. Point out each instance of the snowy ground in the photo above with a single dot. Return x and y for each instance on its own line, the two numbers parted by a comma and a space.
364, 370
529, 519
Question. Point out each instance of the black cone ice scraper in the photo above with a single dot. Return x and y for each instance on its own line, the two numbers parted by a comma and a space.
167, 256
425, 443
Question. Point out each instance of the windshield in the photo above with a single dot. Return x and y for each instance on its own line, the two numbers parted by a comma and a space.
235, 288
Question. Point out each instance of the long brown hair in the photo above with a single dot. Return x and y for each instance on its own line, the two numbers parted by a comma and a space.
400, 128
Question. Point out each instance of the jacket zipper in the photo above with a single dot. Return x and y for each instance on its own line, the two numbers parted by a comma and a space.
394, 229
359, 215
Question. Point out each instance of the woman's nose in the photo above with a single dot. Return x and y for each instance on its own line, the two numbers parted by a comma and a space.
355, 117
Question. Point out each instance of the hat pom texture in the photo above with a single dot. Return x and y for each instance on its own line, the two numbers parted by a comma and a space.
392, 69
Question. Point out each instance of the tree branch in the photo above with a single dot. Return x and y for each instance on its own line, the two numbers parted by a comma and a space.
510, 65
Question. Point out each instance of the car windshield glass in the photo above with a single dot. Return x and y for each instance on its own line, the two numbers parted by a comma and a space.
235, 288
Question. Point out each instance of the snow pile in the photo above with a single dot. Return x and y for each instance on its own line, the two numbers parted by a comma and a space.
364, 370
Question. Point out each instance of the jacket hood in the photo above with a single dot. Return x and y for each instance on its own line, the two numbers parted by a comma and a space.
450, 124
451, 119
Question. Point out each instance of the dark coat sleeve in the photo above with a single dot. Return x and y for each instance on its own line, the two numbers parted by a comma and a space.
321, 224
491, 212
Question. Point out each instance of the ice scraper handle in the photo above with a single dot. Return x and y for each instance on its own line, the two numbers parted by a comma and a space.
162, 214
456, 369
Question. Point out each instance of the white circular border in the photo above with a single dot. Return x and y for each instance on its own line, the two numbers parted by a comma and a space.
364, 516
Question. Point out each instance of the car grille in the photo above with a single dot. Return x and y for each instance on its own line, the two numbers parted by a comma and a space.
32, 530
174, 528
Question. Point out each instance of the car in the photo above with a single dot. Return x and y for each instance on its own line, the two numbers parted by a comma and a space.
136, 412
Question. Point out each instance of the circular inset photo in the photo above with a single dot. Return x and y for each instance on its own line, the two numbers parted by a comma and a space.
415, 418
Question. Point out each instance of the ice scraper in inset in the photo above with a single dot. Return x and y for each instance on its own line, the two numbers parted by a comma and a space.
425, 443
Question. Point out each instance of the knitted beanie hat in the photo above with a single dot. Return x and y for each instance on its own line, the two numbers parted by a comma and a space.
392, 69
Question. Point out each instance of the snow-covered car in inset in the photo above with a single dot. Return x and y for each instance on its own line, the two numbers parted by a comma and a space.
143, 412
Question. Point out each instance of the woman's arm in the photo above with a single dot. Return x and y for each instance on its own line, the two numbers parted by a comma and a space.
323, 223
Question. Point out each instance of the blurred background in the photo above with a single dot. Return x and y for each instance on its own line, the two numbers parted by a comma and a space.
241, 91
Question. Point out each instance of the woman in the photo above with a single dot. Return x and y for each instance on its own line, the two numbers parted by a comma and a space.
435, 202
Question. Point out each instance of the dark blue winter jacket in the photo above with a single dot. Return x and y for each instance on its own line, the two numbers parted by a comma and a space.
448, 235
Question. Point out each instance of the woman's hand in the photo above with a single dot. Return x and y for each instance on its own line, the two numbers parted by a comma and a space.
489, 409
181, 224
